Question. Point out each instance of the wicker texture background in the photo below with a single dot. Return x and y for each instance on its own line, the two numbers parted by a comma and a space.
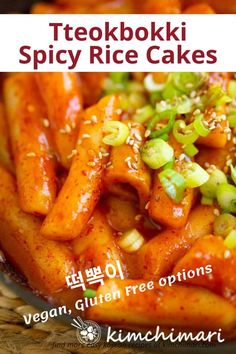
51, 337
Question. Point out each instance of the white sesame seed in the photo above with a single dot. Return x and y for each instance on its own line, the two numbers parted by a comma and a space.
31, 154
134, 165
94, 119
68, 128
72, 154
87, 122
135, 150
128, 139
181, 157
138, 137
131, 142
118, 111
229, 162
147, 133
197, 111
73, 125
138, 217
91, 164
129, 164
136, 158
46, 123
147, 205
85, 136
227, 254
108, 164
216, 212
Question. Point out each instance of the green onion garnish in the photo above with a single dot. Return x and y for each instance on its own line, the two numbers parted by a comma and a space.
232, 88
89, 293
119, 77
173, 184
230, 240
143, 114
223, 224
170, 91
216, 178
156, 153
207, 201
169, 165
226, 197
233, 173
215, 96
167, 114
199, 126
187, 81
183, 105
190, 150
119, 132
184, 134
194, 175
167, 128
231, 118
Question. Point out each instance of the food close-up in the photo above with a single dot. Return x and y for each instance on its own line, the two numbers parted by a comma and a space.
123, 184
141, 173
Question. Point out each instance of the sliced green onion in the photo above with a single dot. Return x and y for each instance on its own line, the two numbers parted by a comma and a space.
168, 127
164, 137
230, 240
216, 178
170, 91
187, 81
232, 88
233, 173
191, 150
155, 97
223, 224
194, 175
119, 77
119, 132
163, 106
226, 197
156, 153
207, 201
231, 118
137, 100
169, 114
89, 293
173, 184
216, 96
150, 85
169, 165
143, 114
124, 102
134, 86
131, 241
184, 134
199, 126
183, 105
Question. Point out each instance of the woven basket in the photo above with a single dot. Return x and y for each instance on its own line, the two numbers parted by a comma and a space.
51, 337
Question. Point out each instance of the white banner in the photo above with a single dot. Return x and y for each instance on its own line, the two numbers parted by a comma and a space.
117, 43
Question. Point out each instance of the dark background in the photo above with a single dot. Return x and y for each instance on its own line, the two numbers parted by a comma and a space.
16, 6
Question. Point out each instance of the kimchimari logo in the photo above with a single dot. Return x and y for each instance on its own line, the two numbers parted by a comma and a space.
88, 332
